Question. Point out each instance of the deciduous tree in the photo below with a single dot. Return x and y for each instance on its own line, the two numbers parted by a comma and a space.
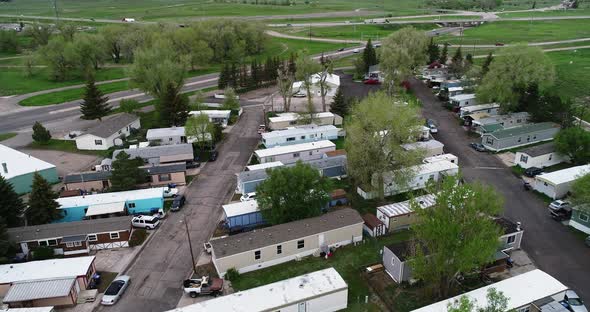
581, 192
285, 81
40, 134
230, 100
574, 142
42, 205
200, 129
323, 83
59, 56
11, 206
485, 68
94, 105
375, 131
456, 235
113, 36
126, 173
90, 51
306, 68
293, 193
496, 302
40, 33
129, 105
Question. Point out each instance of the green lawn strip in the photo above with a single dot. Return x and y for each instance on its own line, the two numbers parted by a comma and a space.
570, 12
339, 142
353, 32
72, 94
441, 17
348, 261
105, 280
521, 31
6, 136
68, 146
282, 47
572, 72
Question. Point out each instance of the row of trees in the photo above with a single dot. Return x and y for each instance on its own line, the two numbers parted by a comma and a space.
245, 77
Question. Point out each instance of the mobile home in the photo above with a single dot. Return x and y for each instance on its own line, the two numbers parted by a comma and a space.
463, 100
430, 147
500, 140
557, 184
286, 120
300, 134
539, 156
292, 153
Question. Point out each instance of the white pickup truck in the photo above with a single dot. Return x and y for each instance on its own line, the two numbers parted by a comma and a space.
203, 286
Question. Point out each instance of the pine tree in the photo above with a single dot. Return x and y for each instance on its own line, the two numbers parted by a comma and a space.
292, 66
95, 104
254, 75
40, 134
339, 104
457, 67
444, 55
7, 247
369, 56
486, 64
43, 208
223, 77
234, 76
11, 206
126, 173
433, 51
458, 57
173, 107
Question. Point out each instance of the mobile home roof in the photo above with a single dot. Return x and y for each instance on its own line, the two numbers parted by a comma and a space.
530, 128
463, 97
405, 207
45, 269
281, 150
18, 163
105, 198
565, 175
275, 296
240, 208
297, 131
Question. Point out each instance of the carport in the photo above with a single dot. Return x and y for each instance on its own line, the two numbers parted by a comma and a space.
105, 209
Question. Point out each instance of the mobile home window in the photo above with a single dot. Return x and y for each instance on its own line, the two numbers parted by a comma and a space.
524, 158
114, 235
257, 255
77, 244
130, 205
69, 244
92, 238
97, 142
511, 239
584, 217
300, 244
295, 155
279, 249
165, 177
303, 137
489, 140
290, 139
550, 156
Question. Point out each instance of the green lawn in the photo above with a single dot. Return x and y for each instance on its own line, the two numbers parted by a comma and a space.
283, 47
71, 95
521, 31
571, 12
445, 17
348, 261
573, 72
6, 136
339, 143
68, 146
358, 32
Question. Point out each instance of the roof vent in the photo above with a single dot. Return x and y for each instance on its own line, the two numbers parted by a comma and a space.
5, 167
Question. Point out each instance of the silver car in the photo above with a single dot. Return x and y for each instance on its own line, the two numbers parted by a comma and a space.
574, 302
115, 290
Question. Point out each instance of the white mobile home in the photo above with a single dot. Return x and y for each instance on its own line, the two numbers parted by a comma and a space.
319, 291
521, 290
332, 81
558, 183
301, 134
539, 156
489, 109
399, 216
423, 173
286, 120
220, 117
281, 243
103, 135
463, 100
290, 154
449, 157
455, 91
431, 147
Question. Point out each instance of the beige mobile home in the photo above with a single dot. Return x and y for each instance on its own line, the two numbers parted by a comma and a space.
273, 245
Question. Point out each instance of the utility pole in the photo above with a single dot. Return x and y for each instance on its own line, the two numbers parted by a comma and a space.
310, 31
190, 245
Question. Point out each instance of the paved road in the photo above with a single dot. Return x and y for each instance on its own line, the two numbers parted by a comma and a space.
551, 245
165, 262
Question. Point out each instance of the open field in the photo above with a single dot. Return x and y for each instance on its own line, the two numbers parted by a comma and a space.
573, 72
6, 136
571, 12
72, 94
357, 32
521, 31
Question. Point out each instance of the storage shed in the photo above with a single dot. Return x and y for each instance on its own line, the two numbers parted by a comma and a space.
557, 184
242, 215
401, 215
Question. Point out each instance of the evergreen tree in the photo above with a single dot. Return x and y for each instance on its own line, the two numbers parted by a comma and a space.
243, 77
444, 55
7, 247
11, 206
456, 67
126, 173
234, 76
339, 104
486, 64
40, 134
469, 59
292, 66
95, 104
254, 75
369, 56
433, 51
173, 107
223, 77
42, 204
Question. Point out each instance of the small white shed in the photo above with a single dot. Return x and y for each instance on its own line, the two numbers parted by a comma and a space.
558, 183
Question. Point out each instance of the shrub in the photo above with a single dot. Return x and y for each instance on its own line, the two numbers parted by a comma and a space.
137, 237
43, 253
232, 274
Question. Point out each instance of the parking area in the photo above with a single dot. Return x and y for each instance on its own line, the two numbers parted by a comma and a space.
64, 161
116, 259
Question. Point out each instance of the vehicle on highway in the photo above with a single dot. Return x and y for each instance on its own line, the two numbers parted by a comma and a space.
376, 45
289, 25
178, 203
248, 196
145, 222
499, 44
478, 147
203, 286
115, 290
573, 302
299, 95
213, 155
532, 171
356, 51
170, 192
431, 125
341, 49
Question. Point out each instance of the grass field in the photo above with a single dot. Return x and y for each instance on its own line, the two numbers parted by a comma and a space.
282, 47
68, 146
580, 11
6, 136
70, 95
573, 72
521, 31
358, 32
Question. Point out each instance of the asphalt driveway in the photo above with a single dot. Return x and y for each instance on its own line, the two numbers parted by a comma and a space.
552, 246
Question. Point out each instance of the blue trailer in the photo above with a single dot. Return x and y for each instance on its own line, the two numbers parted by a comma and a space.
242, 216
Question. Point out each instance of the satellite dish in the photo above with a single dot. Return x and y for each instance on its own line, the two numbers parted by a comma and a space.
118, 142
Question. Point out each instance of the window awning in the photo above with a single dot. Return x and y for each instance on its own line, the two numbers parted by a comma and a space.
101, 209
39, 289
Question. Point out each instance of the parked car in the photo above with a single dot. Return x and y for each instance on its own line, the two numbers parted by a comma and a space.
560, 210
431, 125
213, 155
203, 286
248, 196
573, 302
261, 129
193, 165
299, 95
478, 147
499, 44
170, 192
178, 203
532, 172
115, 290
145, 222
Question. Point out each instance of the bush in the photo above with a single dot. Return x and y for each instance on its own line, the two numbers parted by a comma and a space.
232, 274
43, 253
137, 237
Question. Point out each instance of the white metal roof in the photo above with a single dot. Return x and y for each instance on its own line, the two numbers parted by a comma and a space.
520, 290
462, 97
276, 295
39, 289
164, 132
265, 166
436, 158
295, 131
315, 78
294, 116
240, 208
437, 166
213, 113
452, 89
45, 269
36, 309
428, 145
565, 175
402, 208
474, 108
100, 209
18, 163
105, 198
280, 150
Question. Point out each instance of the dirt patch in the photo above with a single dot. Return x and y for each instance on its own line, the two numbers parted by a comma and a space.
205, 269
64, 161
